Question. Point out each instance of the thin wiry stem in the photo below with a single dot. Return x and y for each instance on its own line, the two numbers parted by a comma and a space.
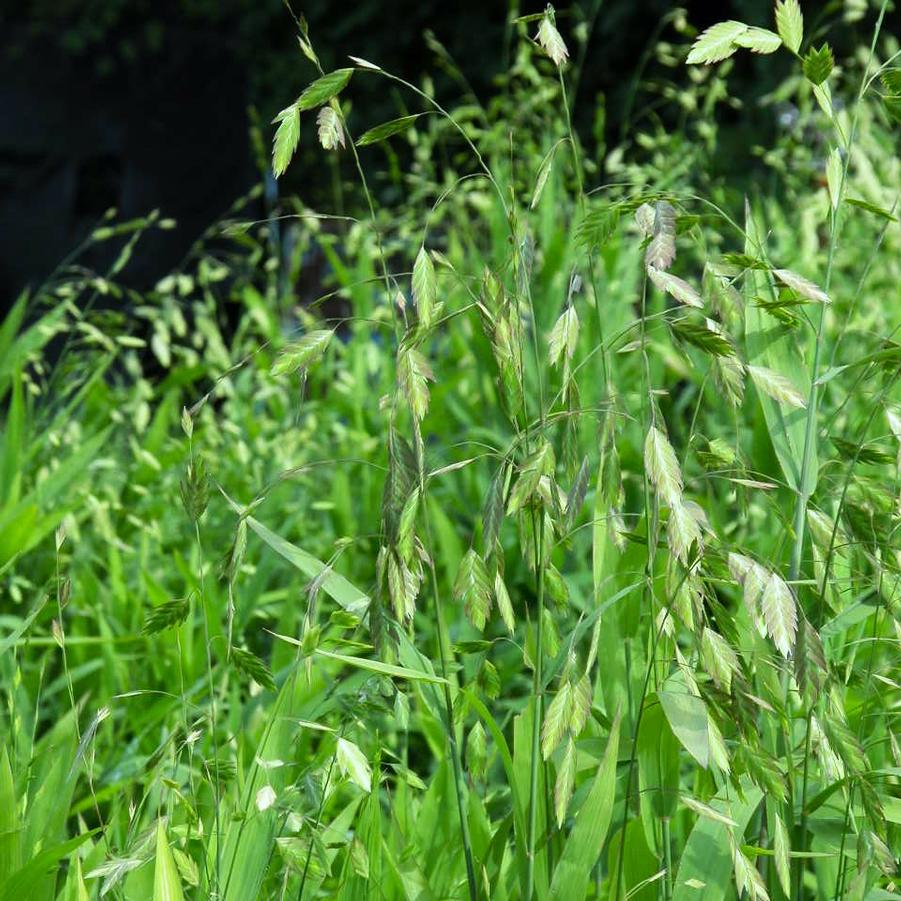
217, 798
810, 431
443, 654
537, 697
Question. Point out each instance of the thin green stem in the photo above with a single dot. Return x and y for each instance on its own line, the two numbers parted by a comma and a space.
217, 799
577, 165
321, 807
478, 155
804, 489
443, 654
633, 756
667, 860
537, 697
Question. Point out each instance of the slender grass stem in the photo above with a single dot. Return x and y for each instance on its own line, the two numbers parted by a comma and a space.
318, 820
804, 490
577, 166
813, 396
633, 755
217, 797
443, 654
537, 698
830, 553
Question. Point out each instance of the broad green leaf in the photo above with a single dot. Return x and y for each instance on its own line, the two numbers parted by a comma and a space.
12, 445
323, 89
658, 768
705, 866
75, 890
772, 348
517, 796
24, 880
640, 865
522, 760
871, 208
10, 827
687, 717
585, 842
374, 666
166, 881
782, 852
22, 525
9, 333
53, 784
353, 763
387, 130
7, 641
19, 348
333, 584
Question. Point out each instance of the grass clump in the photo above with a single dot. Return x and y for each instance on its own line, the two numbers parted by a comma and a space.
561, 560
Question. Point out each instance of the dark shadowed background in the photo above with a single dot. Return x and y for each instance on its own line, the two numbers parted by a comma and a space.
148, 104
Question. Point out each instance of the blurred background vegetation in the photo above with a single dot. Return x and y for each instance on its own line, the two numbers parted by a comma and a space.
143, 105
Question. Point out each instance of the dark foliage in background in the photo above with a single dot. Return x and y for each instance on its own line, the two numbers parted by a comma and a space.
141, 105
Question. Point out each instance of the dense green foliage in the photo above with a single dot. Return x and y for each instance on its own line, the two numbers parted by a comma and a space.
551, 552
